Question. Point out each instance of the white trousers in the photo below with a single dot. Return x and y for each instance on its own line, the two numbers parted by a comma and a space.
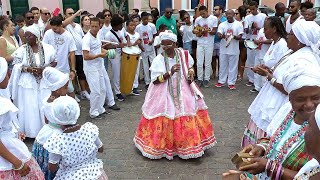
228, 68
204, 56
146, 58
251, 56
136, 77
258, 80
109, 94
97, 85
116, 67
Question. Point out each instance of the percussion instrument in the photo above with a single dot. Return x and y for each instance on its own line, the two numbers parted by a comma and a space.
228, 41
129, 64
109, 42
250, 44
200, 29
111, 53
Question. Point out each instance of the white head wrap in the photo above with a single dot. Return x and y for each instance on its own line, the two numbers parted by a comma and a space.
168, 35
317, 116
308, 33
54, 79
3, 68
63, 111
300, 76
34, 29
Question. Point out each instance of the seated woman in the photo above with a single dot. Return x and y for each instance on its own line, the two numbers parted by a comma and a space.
283, 154
16, 161
312, 137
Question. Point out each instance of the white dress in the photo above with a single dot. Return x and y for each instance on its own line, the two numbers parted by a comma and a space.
27, 93
78, 151
270, 99
8, 113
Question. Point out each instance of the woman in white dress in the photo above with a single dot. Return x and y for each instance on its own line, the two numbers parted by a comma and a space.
76, 148
16, 161
26, 84
302, 41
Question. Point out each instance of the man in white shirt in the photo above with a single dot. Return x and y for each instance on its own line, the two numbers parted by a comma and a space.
117, 35
252, 24
205, 44
95, 72
229, 53
44, 19
65, 48
295, 15
106, 27
77, 34
147, 33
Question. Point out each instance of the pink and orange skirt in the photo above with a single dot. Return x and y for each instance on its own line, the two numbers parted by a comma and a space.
186, 137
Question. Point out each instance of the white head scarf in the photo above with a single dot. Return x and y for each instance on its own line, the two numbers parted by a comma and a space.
317, 116
63, 111
308, 33
54, 79
300, 76
3, 68
34, 30
168, 35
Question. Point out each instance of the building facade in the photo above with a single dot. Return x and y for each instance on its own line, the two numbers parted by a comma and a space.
94, 6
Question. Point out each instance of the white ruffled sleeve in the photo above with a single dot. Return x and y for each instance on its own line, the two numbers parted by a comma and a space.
157, 67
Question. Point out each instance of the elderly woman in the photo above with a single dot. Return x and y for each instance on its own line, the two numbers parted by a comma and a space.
303, 41
312, 137
175, 118
26, 84
15, 159
283, 154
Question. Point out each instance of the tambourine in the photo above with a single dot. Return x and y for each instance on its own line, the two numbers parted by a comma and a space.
250, 44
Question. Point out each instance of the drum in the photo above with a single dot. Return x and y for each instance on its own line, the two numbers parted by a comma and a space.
129, 64
250, 44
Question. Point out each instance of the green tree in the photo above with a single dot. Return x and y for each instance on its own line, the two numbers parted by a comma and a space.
116, 6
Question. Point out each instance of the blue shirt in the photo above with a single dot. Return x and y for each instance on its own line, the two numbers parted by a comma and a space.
222, 19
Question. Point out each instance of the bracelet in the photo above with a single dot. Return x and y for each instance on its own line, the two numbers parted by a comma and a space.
161, 79
21, 167
278, 172
261, 145
273, 80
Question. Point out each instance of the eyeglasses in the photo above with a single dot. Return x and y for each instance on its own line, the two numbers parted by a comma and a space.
30, 17
107, 15
47, 14
167, 45
72, 13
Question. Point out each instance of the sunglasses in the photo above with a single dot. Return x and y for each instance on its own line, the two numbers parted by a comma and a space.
107, 15
185, 18
30, 17
170, 12
71, 13
236, 13
47, 14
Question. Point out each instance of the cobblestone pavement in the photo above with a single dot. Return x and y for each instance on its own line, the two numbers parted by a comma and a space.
228, 110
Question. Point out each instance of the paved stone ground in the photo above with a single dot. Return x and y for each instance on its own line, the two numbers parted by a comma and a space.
228, 110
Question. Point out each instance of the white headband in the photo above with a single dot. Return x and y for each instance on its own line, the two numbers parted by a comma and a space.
301, 75
54, 79
34, 30
168, 35
63, 111
3, 68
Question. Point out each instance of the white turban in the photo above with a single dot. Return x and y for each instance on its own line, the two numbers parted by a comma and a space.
300, 76
34, 29
317, 116
308, 33
54, 79
3, 68
168, 35
63, 111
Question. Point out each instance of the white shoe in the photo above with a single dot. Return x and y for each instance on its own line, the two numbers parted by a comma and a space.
85, 95
76, 98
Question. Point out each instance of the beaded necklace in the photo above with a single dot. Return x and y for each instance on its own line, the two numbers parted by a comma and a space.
307, 175
278, 135
175, 95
